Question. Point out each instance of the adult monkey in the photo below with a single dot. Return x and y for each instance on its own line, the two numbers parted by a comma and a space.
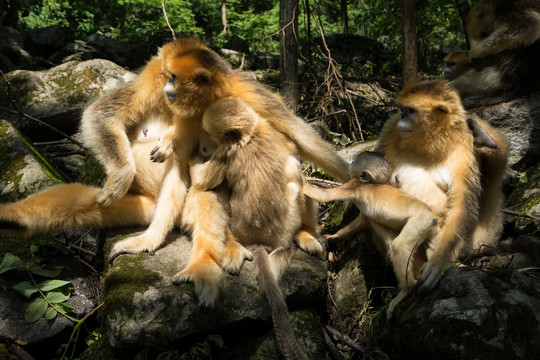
452, 164
109, 127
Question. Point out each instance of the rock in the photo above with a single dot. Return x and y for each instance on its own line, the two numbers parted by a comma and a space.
24, 170
143, 307
58, 96
472, 314
51, 38
127, 55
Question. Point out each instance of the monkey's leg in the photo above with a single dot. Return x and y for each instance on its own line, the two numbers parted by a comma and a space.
402, 253
235, 254
307, 236
354, 227
67, 206
207, 219
168, 208
475, 82
270, 269
325, 195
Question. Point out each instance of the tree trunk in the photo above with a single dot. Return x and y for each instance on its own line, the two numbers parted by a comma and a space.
464, 8
410, 51
344, 16
288, 50
224, 18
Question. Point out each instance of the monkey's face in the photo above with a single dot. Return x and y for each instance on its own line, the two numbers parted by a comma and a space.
457, 63
427, 108
197, 76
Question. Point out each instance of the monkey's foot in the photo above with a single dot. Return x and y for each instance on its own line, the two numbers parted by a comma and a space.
116, 185
161, 151
234, 257
308, 243
205, 274
399, 298
11, 225
431, 274
134, 245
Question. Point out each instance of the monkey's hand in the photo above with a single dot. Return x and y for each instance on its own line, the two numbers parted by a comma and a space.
234, 257
431, 274
116, 185
163, 149
201, 178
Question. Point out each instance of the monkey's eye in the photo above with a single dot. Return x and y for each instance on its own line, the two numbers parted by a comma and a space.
172, 79
407, 111
451, 63
233, 135
365, 177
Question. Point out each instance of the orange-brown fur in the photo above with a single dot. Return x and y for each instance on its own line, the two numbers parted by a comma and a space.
457, 64
408, 222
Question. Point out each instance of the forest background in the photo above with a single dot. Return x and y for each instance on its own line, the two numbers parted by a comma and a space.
434, 29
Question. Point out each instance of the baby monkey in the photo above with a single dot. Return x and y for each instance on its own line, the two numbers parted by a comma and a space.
386, 209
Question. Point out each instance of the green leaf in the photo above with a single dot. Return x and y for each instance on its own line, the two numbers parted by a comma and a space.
63, 308
25, 288
50, 313
49, 285
57, 296
54, 271
35, 310
11, 262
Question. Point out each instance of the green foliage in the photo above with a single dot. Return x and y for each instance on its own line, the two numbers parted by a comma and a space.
48, 297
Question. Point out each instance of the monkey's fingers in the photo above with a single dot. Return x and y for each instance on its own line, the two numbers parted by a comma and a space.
431, 274
160, 153
308, 243
205, 274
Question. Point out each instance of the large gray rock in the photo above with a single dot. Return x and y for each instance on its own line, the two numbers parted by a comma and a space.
144, 308
58, 96
472, 314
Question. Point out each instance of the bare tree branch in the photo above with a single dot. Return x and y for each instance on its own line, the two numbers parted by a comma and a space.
167, 19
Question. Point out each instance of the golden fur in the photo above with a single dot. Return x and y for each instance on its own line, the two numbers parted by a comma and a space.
193, 77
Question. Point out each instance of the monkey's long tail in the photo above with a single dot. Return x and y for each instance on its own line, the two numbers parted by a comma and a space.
285, 338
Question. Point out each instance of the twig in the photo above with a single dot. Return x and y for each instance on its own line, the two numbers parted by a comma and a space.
323, 183
326, 115
347, 340
35, 119
520, 214
332, 348
167, 19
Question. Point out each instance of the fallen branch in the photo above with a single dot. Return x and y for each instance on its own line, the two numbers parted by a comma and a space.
344, 338
520, 214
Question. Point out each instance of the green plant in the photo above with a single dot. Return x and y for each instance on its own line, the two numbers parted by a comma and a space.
52, 293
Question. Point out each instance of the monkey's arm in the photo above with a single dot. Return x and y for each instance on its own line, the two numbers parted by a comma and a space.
458, 226
343, 192
521, 32
207, 175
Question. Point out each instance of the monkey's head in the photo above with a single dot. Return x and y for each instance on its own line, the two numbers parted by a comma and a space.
457, 64
370, 167
428, 110
197, 75
230, 121
481, 21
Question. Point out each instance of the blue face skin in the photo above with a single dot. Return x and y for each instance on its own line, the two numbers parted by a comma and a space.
169, 88
406, 124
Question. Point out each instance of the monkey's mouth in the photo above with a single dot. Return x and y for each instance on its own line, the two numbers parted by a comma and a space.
405, 133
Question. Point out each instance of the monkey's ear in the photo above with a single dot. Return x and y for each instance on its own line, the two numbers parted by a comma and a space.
443, 108
202, 75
